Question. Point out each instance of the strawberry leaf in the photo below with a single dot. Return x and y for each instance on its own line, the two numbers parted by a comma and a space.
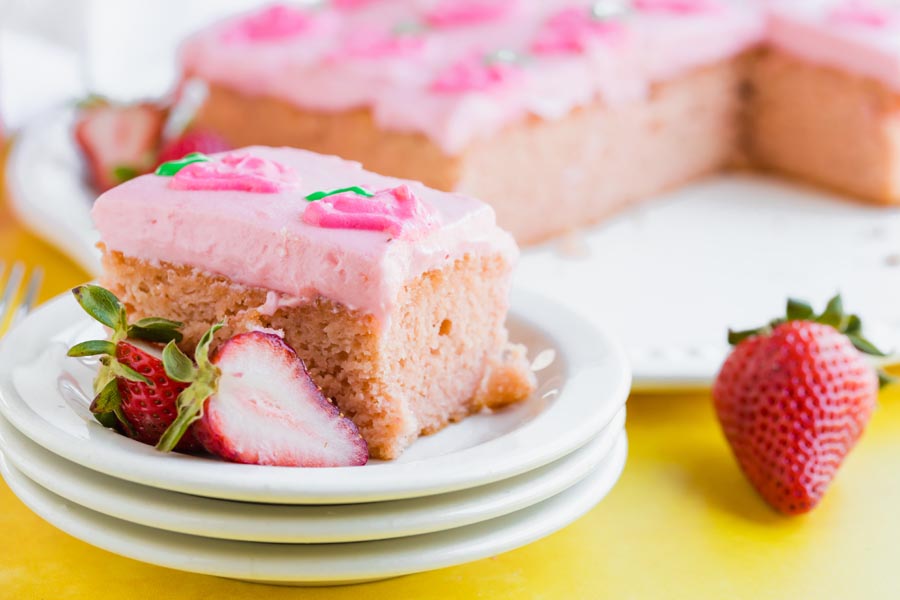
799, 310
108, 420
102, 305
126, 372
864, 345
190, 409
201, 354
853, 325
885, 379
834, 313
107, 401
204, 383
123, 173
92, 348
736, 337
155, 329
178, 366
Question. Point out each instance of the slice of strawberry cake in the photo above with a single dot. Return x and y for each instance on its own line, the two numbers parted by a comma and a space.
393, 294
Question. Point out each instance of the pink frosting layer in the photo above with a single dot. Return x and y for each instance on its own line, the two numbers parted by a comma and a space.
859, 36
260, 238
431, 85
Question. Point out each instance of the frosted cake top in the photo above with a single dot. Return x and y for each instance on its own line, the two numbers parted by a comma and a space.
300, 224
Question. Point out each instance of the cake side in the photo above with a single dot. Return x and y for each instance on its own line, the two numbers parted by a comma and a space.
544, 178
825, 126
248, 119
445, 355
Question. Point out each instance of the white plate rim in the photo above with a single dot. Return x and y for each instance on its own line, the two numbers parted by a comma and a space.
290, 524
596, 367
321, 564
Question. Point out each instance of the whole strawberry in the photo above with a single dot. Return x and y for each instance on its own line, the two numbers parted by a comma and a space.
133, 392
793, 398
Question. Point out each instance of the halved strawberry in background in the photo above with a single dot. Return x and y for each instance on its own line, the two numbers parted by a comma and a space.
194, 140
254, 402
133, 392
119, 142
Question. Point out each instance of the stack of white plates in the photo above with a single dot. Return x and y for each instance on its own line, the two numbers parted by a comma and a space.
484, 486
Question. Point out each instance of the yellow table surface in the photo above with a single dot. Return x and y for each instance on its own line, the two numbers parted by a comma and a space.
681, 523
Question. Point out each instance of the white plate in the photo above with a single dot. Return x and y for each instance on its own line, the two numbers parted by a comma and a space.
225, 519
45, 395
321, 564
669, 276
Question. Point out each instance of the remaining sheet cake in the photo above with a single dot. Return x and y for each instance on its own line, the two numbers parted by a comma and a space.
394, 294
826, 101
592, 104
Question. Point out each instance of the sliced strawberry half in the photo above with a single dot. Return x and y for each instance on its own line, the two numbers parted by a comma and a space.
119, 142
255, 402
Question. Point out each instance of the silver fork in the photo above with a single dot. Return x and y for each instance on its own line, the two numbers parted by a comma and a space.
14, 307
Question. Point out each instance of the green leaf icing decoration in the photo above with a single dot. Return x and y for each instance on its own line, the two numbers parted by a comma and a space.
324, 194
168, 169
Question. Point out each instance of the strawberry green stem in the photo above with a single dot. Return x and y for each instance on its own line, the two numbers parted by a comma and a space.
203, 379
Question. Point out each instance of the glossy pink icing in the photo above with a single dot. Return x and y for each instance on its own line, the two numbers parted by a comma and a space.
273, 24
855, 36
261, 239
572, 31
351, 4
396, 211
370, 43
236, 171
455, 13
677, 6
400, 88
476, 73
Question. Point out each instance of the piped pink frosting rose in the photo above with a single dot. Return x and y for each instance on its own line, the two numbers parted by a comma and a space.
370, 43
859, 12
236, 172
396, 211
685, 7
476, 74
351, 4
275, 23
454, 13
573, 30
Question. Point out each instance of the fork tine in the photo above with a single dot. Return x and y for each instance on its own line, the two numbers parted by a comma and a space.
9, 291
30, 297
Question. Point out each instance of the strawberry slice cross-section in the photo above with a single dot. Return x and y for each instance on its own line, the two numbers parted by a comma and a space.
254, 402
